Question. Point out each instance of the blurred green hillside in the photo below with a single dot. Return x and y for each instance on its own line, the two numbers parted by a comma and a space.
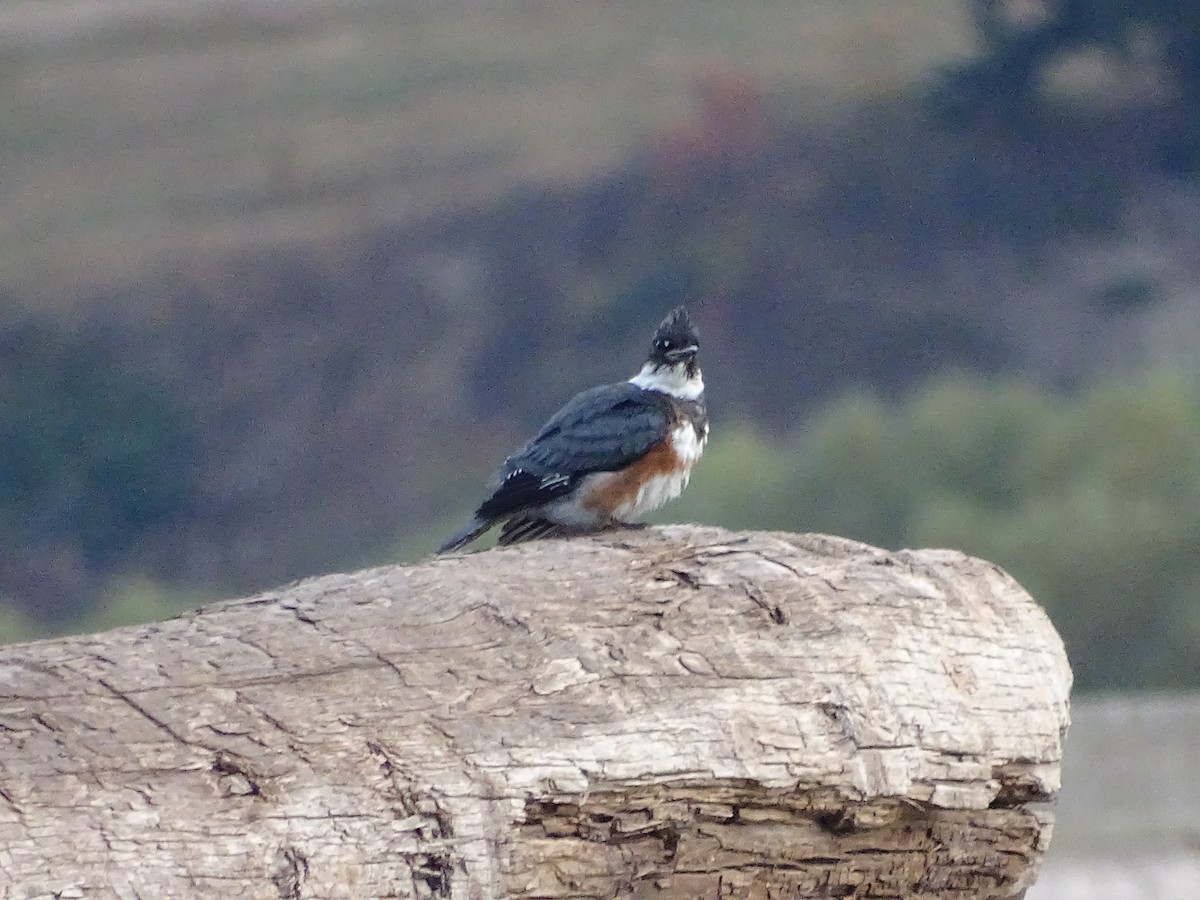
284, 281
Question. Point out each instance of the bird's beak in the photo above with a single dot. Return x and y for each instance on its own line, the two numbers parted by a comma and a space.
680, 354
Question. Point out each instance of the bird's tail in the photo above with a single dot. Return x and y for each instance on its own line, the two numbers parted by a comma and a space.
465, 535
528, 527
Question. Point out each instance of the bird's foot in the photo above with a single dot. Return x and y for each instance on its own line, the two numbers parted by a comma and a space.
618, 525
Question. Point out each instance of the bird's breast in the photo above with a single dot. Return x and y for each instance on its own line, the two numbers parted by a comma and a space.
651, 481
688, 440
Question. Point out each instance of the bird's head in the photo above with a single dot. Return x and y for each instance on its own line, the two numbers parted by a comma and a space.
672, 366
676, 340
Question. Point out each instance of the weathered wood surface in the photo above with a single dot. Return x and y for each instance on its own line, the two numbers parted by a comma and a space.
678, 713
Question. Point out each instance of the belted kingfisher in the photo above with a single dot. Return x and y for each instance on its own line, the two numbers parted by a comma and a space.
611, 455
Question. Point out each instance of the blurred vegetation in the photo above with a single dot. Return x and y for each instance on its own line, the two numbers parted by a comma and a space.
1021, 39
1092, 501
96, 459
14, 626
123, 600
1022, 43
132, 600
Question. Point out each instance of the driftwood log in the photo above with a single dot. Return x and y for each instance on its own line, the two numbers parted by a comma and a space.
677, 713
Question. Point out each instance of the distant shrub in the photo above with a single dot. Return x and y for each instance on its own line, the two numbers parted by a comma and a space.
15, 625
96, 458
1021, 40
137, 599
1092, 501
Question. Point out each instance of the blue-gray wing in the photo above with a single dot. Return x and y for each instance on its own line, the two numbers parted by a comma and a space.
600, 430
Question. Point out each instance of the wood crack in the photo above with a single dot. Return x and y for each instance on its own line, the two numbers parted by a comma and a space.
149, 716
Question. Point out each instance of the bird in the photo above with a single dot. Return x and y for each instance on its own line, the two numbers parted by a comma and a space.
612, 454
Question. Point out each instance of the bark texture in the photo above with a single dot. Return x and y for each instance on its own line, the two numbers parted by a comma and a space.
674, 713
